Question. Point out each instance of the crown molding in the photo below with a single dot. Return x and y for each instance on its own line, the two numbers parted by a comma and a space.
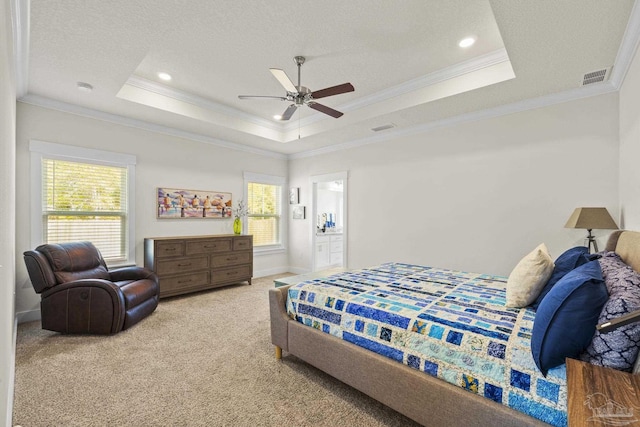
199, 101
628, 48
502, 110
52, 104
20, 24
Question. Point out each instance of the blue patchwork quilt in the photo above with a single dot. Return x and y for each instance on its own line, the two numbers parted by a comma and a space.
450, 324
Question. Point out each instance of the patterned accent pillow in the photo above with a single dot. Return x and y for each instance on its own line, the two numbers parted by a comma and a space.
617, 349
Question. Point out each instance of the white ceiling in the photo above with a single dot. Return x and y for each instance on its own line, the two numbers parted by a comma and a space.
401, 56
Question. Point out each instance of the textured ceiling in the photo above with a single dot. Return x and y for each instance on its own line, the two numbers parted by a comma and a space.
402, 58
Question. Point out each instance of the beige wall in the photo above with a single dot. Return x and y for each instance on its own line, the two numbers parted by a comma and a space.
630, 146
474, 197
162, 161
7, 213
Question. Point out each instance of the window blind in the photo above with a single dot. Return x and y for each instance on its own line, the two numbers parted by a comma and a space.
85, 201
264, 203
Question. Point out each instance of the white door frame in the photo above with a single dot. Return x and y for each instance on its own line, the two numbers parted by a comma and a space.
315, 179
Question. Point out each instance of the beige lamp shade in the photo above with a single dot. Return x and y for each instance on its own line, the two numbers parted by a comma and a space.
591, 219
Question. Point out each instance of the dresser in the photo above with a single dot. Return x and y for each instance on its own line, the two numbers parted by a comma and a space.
189, 264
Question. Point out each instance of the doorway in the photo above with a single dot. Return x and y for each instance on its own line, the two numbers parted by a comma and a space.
329, 221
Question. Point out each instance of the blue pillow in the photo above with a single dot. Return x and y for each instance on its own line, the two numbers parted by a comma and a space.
566, 319
567, 261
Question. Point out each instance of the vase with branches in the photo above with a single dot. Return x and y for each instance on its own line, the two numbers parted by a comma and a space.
239, 212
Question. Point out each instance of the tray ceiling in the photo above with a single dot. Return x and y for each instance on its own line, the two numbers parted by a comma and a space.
403, 59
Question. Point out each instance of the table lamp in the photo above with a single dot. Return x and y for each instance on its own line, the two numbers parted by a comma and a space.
590, 218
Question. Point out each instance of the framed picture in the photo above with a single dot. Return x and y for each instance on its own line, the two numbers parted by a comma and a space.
294, 195
178, 203
298, 212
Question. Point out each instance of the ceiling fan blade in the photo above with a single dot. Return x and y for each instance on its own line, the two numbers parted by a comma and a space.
281, 98
289, 112
333, 90
284, 80
325, 109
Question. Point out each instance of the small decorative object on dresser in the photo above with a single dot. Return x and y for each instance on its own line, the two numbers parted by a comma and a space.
239, 212
189, 264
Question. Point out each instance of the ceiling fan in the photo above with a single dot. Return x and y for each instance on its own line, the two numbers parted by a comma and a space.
301, 95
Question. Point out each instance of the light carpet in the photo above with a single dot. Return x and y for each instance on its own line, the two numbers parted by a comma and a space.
204, 359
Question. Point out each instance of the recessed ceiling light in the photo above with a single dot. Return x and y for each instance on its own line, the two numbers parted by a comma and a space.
466, 42
164, 76
277, 117
84, 87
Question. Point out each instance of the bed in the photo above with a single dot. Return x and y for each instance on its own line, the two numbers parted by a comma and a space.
304, 324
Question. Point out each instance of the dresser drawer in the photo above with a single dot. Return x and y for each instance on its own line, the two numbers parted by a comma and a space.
242, 243
336, 246
172, 284
226, 275
232, 258
167, 249
182, 265
208, 246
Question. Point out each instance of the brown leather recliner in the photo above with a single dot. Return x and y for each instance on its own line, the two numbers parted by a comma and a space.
80, 295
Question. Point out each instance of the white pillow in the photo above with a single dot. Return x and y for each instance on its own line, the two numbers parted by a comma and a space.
529, 277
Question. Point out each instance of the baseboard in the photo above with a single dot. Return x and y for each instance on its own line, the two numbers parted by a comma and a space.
280, 270
271, 272
297, 270
28, 316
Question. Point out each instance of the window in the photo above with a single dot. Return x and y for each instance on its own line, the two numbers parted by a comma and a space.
84, 195
264, 201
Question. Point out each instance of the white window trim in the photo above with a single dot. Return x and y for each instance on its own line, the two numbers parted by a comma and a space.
49, 150
284, 195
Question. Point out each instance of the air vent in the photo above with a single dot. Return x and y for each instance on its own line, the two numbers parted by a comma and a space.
383, 127
596, 76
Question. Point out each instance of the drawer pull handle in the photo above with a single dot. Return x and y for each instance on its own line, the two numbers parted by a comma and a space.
184, 265
170, 249
232, 273
232, 258
185, 281
209, 247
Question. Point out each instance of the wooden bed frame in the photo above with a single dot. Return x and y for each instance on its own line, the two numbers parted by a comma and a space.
427, 400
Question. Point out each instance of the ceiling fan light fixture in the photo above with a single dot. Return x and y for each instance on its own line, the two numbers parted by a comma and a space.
467, 42
164, 76
301, 96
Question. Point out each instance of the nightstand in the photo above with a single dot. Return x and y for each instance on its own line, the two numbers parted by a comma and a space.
600, 396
